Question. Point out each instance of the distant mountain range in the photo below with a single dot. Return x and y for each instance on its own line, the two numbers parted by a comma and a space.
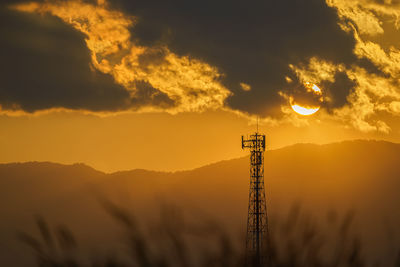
325, 180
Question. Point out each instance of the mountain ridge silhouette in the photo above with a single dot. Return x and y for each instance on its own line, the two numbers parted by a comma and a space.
360, 175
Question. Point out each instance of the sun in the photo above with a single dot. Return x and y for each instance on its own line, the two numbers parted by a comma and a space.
305, 111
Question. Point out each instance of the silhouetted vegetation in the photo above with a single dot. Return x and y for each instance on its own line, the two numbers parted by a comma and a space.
296, 241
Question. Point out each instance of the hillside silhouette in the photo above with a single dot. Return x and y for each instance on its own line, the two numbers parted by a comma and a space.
326, 181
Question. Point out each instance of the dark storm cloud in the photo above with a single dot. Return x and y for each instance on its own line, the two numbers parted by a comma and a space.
249, 41
46, 64
338, 90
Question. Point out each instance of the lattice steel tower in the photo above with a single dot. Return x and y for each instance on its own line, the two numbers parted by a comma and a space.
257, 224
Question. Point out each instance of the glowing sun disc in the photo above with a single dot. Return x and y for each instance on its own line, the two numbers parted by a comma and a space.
304, 110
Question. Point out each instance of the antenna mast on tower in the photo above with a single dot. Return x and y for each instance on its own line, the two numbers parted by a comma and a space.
257, 224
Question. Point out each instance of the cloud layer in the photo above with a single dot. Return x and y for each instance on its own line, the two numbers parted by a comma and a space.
253, 58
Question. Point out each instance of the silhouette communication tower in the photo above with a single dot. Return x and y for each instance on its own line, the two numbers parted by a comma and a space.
257, 224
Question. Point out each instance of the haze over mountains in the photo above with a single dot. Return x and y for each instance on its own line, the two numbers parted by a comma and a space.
327, 180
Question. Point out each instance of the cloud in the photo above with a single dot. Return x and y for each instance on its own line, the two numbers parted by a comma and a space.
250, 43
251, 58
201, 56
45, 64
377, 93
186, 83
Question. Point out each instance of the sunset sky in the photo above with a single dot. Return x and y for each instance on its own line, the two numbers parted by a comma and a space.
171, 85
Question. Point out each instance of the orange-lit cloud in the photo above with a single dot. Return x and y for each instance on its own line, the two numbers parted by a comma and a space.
373, 93
191, 84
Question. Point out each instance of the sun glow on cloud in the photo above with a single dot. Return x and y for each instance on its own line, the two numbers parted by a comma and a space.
191, 84
373, 93
316, 89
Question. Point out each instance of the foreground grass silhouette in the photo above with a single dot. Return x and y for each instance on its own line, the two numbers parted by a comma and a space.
294, 242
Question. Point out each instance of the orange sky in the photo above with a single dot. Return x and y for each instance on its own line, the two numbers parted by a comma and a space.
157, 141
